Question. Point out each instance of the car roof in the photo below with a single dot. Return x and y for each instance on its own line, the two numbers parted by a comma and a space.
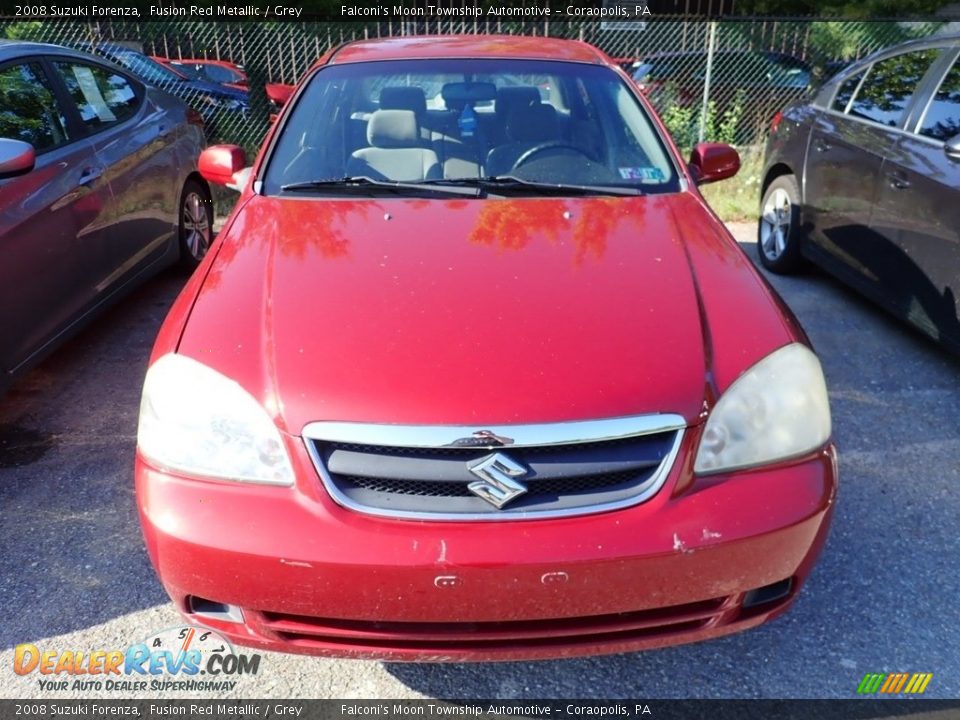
11, 49
204, 61
927, 40
468, 46
693, 53
728, 52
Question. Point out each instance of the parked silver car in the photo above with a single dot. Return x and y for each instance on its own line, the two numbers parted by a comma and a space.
98, 191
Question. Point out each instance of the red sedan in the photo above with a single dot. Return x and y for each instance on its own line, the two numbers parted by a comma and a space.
472, 372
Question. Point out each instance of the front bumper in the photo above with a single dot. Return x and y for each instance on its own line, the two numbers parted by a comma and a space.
312, 577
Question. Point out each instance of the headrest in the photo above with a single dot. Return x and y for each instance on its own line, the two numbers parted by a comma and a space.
393, 129
533, 123
514, 96
401, 97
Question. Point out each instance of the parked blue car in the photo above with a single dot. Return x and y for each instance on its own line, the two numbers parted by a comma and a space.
223, 109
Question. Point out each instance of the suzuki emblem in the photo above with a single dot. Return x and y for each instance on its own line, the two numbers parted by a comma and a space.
497, 484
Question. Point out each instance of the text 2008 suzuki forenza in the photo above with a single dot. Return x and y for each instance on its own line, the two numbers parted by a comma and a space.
473, 373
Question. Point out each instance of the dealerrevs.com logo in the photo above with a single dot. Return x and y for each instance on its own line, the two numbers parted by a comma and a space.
176, 659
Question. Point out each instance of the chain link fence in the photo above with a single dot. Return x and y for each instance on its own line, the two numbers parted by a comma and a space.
712, 80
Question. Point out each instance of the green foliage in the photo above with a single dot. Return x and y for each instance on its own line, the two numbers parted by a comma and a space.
680, 121
832, 9
32, 30
846, 40
724, 126
25, 108
683, 122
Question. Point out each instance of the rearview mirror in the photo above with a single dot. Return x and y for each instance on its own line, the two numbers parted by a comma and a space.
459, 93
16, 158
710, 162
219, 163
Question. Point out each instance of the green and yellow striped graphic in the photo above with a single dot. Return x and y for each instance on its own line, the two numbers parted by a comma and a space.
894, 683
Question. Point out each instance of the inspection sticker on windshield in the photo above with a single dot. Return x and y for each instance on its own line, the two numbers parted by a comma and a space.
646, 174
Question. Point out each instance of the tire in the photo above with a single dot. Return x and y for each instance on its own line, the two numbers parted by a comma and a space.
196, 223
778, 227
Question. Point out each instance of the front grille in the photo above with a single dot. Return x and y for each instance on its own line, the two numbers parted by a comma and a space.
313, 631
557, 486
562, 473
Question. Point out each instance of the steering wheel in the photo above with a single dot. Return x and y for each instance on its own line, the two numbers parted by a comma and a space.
528, 155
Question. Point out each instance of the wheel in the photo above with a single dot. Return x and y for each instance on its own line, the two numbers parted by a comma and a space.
528, 155
196, 223
778, 230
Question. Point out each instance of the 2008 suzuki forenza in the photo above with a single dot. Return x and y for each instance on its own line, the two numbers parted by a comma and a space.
473, 373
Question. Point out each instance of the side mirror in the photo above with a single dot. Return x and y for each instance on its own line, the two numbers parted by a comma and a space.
16, 158
219, 163
710, 162
279, 93
951, 148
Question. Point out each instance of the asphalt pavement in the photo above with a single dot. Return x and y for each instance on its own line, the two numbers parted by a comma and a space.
885, 596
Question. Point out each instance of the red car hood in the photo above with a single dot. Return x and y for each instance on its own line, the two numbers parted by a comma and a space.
474, 312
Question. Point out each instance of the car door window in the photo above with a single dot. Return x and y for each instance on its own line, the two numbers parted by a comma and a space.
103, 97
28, 108
942, 118
845, 92
886, 92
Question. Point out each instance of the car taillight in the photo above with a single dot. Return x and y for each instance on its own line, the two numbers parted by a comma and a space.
195, 118
775, 122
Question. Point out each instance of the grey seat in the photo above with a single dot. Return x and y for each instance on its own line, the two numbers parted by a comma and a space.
395, 151
526, 127
403, 97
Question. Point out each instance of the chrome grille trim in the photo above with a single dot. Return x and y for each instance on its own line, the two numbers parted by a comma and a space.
441, 436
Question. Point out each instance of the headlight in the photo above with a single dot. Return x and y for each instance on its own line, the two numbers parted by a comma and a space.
778, 409
195, 420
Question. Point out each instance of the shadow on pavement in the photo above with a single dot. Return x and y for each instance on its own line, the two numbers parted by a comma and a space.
71, 552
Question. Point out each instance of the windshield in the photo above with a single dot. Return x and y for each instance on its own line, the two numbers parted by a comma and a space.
451, 121
190, 71
220, 73
150, 70
788, 70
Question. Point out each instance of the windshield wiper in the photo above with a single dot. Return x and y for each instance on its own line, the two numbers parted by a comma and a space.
472, 186
365, 185
509, 183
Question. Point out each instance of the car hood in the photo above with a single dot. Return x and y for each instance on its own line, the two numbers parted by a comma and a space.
454, 311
